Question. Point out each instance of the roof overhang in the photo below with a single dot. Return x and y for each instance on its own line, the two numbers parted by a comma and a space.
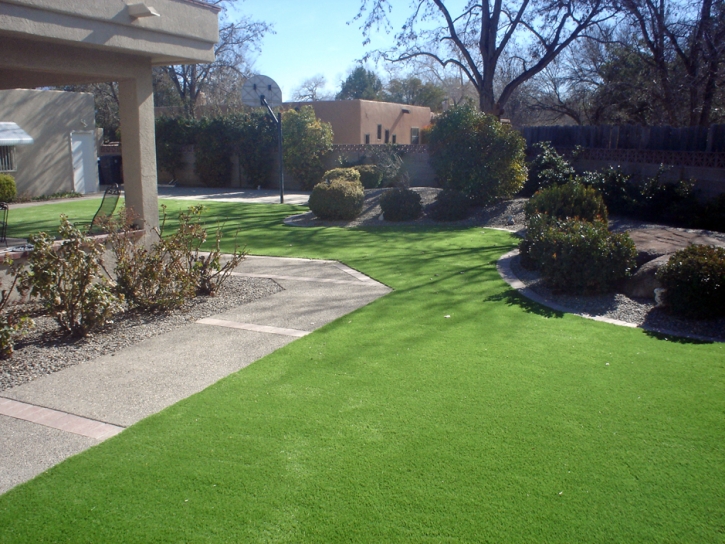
34, 34
12, 134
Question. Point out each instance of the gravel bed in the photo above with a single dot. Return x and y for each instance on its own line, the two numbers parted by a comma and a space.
642, 312
45, 350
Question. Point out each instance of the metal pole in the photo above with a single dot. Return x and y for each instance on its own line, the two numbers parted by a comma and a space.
281, 165
279, 140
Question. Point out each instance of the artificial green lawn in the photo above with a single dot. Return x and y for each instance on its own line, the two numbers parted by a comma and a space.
506, 422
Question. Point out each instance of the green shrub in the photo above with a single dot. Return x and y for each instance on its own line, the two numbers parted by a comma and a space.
371, 176
694, 279
548, 168
450, 205
476, 154
571, 200
67, 279
8, 190
401, 204
306, 140
344, 174
578, 257
621, 195
337, 199
13, 324
172, 134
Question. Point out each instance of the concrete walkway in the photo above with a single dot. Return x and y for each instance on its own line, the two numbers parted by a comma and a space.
226, 194
59, 415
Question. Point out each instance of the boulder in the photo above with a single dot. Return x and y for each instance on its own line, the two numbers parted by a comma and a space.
643, 283
652, 243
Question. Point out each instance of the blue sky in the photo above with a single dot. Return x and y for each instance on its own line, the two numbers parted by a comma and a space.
312, 37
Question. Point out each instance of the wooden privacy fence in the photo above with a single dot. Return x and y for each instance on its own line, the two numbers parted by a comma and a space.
688, 139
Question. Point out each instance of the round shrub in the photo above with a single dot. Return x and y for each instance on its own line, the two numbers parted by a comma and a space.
578, 257
401, 204
343, 174
619, 192
371, 176
476, 154
571, 200
8, 190
694, 279
548, 168
450, 205
337, 199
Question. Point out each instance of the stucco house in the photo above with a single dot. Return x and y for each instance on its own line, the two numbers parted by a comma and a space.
62, 157
370, 122
60, 42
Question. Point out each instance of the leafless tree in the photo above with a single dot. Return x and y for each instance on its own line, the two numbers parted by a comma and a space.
221, 79
311, 90
475, 39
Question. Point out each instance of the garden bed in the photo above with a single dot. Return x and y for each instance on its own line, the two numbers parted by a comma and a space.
46, 349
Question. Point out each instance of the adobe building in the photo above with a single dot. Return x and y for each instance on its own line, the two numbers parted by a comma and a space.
61, 42
370, 122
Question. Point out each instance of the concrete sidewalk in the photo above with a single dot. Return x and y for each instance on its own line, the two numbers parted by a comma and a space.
59, 415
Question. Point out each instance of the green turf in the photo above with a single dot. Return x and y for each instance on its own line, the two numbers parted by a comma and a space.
506, 422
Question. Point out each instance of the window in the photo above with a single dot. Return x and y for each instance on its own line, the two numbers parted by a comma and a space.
7, 158
414, 135
380, 131
395, 139
387, 136
367, 138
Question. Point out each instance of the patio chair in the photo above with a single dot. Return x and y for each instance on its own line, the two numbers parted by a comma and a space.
107, 207
4, 208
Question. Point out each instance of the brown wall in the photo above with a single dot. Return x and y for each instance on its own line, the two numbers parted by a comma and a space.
351, 120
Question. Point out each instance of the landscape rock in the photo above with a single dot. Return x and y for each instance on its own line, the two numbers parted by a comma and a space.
652, 243
644, 282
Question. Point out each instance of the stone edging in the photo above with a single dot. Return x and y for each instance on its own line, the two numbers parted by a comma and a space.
504, 269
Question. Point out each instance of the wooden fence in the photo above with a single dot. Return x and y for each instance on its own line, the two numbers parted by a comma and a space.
687, 139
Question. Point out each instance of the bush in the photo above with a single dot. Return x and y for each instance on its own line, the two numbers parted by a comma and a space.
571, 200
388, 159
449, 205
172, 134
167, 274
306, 140
548, 168
67, 280
576, 256
694, 279
476, 154
621, 195
8, 190
401, 204
337, 199
343, 174
371, 176
12, 324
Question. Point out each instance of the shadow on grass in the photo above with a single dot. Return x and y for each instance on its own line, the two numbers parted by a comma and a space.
514, 298
676, 339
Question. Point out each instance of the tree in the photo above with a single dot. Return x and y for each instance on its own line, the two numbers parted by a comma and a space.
306, 140
311, 90
474, 153
534, 32
361, 84
411, 90
696, 38
221, 79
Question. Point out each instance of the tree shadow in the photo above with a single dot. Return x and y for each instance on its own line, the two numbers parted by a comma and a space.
676, 339
513, 298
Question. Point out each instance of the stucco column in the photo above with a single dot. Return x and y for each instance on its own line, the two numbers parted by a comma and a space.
136, 109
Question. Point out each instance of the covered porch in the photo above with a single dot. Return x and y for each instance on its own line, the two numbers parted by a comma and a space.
62, 42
